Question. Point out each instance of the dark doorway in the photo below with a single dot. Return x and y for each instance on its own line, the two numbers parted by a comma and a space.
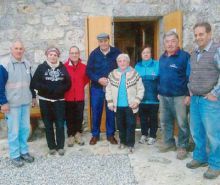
131, 35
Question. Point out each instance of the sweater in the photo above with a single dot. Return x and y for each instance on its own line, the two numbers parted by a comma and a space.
205, 72
51, 83
79, 80
100, 65
149, 72
15, 77
134, 86
174, 74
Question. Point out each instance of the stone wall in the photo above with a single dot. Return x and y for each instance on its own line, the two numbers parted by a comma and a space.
40, 23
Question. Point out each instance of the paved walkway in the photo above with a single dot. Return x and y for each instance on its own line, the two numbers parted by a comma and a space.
102, 164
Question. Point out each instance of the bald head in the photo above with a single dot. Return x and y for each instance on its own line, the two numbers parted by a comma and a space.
17, 50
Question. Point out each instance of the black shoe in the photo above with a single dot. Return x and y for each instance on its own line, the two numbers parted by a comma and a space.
27, 158
17, 162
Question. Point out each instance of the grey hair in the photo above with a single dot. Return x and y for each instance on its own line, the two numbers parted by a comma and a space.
74, 46
170, 33
123, 55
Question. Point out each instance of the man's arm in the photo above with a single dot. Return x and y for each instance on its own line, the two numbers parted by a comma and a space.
3, 80
90, 71
216, 90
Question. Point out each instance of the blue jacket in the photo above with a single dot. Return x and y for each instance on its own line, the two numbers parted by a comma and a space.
100, 65
15, 77
174, 74
149, 72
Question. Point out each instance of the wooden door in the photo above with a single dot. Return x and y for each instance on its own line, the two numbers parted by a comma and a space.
94, 26
174, 21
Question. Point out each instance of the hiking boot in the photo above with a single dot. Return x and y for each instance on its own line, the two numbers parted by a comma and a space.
52, 151
143, 139
151, 141
61, 151
167, 148
181, 153
70, 141
211, 174
17, 162
27, 158
93, 140
112, 140
78, 139
131, 150
196, 164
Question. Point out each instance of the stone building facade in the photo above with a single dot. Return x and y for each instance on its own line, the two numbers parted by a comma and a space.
40, 23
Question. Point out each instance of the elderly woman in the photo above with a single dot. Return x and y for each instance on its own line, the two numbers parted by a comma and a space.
124, 92
148, 69
51, 80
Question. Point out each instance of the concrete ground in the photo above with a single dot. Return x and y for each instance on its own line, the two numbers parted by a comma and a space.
148, 165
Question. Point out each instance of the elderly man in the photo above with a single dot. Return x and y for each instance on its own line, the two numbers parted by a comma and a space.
74, 97
15, 100
174, 95
101, 62
204, 86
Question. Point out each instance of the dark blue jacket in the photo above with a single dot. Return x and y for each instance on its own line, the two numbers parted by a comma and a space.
3, 80
174, 74
149, 72
100, 65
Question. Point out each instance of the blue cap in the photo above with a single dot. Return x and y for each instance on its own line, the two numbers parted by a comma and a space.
102, 36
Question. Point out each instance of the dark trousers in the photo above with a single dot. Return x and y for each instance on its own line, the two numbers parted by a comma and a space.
53, 112
97, 102
149, 119
74, 117
126, 122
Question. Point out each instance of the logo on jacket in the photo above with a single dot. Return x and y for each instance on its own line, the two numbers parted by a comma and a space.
54, 75
173, 66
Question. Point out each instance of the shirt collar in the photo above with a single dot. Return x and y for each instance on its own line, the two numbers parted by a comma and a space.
147, 62
105, 53
175, 53
206, 48
14, 60
126, 70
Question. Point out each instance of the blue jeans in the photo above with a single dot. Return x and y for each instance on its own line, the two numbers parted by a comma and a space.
18, 121
97, 101
205, 129
126, 122
172, 108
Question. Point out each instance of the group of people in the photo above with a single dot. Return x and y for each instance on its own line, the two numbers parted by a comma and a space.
170, 85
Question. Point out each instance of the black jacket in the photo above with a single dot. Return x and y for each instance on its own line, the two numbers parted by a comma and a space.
49, 83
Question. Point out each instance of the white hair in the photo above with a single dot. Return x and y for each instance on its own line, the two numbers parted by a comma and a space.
123, 55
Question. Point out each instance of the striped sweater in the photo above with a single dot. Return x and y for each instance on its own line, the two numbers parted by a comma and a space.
134, 86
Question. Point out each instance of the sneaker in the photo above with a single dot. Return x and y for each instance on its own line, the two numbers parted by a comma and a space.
61, 151
211, 174
121, 146
70, 141
143, 139
181, 153
196, 164
52, 151
78, 139
131, 150
167, 148
17, 162
27, 158
151, 141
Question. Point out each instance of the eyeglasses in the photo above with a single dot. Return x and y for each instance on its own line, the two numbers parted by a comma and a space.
74, 53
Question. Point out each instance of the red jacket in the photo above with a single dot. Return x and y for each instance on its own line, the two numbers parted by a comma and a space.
79, 80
